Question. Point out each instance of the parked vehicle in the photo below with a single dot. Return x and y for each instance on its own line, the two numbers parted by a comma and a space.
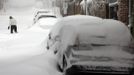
43, 14
87, 44
45, 19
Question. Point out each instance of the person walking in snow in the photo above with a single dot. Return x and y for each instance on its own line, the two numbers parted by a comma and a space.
12, 25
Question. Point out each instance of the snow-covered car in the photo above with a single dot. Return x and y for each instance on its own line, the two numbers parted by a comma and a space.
45, 18
87, 44
43, 14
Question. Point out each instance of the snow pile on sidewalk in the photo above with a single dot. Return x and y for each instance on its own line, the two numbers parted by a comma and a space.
44, 64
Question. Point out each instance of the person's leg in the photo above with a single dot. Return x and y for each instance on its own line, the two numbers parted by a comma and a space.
15, 29
11, 29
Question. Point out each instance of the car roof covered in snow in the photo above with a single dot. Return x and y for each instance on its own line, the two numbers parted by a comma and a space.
91, 29
76, 20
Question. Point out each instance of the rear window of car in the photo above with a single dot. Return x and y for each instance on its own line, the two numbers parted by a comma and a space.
46, 16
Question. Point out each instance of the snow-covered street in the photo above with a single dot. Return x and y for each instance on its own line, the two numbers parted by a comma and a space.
43, 64
25, 53
22, 43
66, 37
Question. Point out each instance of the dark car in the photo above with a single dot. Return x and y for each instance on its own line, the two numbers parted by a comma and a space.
91, 45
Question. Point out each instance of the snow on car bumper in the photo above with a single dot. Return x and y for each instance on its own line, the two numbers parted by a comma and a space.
96, 63
82, 69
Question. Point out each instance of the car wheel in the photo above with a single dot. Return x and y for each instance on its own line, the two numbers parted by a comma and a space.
59, 68
64, 64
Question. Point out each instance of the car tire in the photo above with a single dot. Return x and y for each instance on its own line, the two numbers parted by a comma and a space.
64, 65
59, 68
64, 62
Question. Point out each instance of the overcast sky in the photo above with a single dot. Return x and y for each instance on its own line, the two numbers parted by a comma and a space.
20, 3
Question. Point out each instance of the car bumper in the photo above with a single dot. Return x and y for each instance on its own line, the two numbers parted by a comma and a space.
79, 70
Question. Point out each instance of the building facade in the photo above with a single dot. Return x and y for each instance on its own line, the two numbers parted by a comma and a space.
132, 16
123, 11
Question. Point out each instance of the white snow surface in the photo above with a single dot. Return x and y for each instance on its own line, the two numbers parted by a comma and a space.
47, 23
24, 53
43, 64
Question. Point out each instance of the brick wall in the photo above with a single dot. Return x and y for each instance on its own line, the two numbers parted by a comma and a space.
123, 11
98, 8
